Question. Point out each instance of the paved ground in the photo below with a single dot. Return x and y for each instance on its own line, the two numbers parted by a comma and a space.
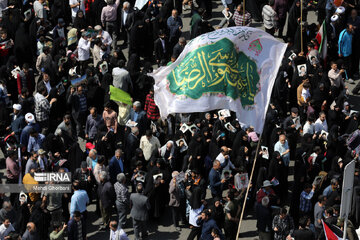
164, 229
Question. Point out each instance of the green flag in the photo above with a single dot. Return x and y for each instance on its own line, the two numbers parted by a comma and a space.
119, 95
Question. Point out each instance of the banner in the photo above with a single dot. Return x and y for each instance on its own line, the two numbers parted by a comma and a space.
139, 4
119, 95
231, 68
79, 80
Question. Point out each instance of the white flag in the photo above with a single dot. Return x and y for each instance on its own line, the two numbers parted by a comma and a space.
231, 68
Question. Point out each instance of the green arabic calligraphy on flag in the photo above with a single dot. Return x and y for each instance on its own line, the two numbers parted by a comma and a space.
216, 68
232, 68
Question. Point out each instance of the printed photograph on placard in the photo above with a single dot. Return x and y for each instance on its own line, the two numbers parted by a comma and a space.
301, 70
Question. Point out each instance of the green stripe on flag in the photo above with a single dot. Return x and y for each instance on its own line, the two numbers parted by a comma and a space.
119, 95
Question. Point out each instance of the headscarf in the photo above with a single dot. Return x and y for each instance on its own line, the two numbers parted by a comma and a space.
163, 149
72, 36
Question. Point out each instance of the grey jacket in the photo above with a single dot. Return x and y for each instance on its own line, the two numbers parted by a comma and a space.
140, 207
174, 194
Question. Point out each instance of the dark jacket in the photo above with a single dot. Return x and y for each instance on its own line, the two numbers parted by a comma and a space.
264, 219
132, 143
141, 120
106, 194
160, 52
73, 229
290, 132
207, 227
303, 234
129, 22
17, 125
115, 169
177, 50
215, 182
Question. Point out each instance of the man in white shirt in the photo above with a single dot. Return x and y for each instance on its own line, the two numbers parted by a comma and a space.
335, 76
84, 51
121, 77
6, 228
149, 144
40, 9
75, 5
270, 16
321, 123
116, 232
224, 159
282, 147
309, 126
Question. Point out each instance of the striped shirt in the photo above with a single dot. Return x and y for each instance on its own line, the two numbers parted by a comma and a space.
122, 193
152, 111
240, 20
305, 201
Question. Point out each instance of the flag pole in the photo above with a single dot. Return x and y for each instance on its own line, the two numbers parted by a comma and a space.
301, 31
248, 187
243, 13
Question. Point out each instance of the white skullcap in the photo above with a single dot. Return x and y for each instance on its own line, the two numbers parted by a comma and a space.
29, 117
340, 10
17, 107
334, 18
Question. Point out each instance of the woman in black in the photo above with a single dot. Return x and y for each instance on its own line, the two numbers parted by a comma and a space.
277, 170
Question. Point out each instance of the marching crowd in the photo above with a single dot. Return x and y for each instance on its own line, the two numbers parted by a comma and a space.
58, 60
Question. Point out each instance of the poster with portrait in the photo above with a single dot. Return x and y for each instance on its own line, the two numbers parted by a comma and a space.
230, 127
301, 70
265, 152
241, 181
224, 113
292, 56
184, 127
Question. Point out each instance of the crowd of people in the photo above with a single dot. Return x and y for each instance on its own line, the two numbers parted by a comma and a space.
58, 60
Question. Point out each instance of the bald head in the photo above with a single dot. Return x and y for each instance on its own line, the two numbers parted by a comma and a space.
282, 138
31, 227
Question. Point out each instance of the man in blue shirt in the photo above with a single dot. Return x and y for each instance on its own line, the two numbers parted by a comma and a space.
208, 224
215, 180
35, 141
116, 166
79, 200
345, 49
334, 185
305, 200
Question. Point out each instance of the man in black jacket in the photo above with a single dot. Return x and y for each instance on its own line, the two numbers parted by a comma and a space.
303, 233
291, 127
132, 143
179, 47
263, 216
161, 49
106, 195
76, 227
86, 178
